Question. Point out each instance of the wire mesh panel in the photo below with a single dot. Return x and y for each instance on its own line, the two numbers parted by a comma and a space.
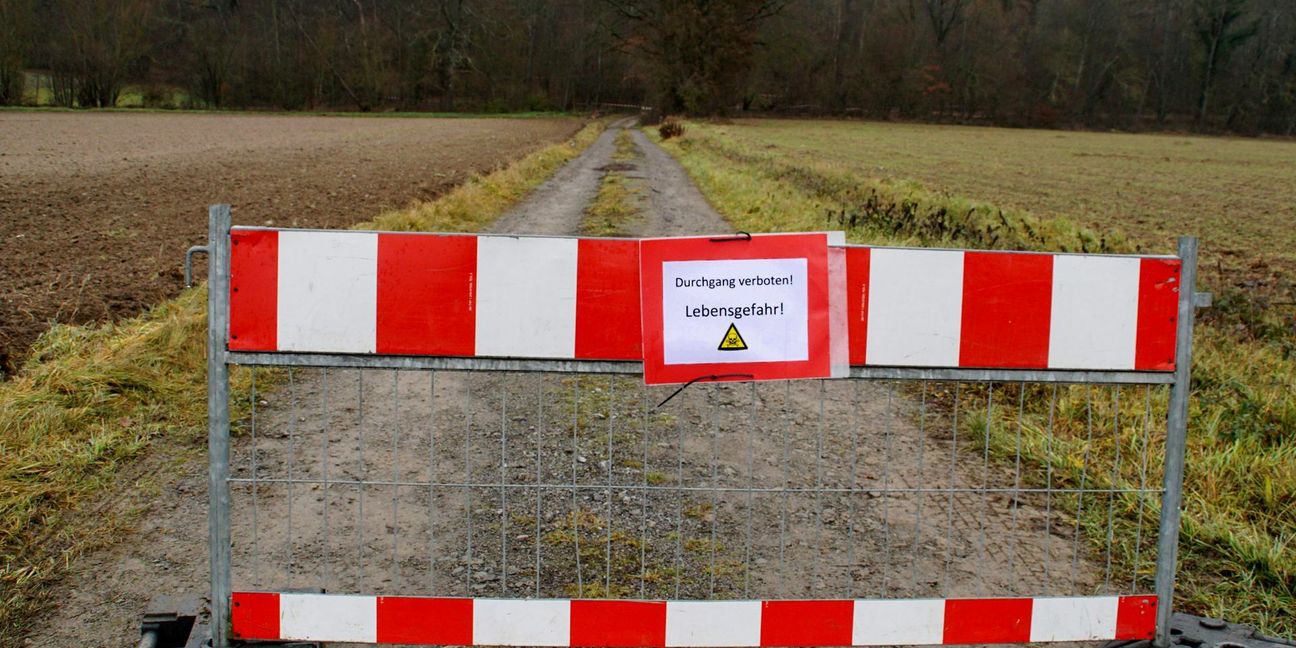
503, 501
424, 483
550, 486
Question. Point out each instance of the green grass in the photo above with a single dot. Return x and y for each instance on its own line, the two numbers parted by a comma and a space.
92, 401
1238, 558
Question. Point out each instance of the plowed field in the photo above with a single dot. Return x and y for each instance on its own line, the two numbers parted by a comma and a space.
96, 209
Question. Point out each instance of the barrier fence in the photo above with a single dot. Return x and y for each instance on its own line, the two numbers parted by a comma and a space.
448, 442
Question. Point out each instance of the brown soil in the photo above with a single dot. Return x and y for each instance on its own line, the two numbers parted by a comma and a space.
96, 210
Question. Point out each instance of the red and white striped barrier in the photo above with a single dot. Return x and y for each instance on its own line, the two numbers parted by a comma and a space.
565, 299
433, 294
954, 308
633, 624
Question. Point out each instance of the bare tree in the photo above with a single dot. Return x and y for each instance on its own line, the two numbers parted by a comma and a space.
1221, 27
15, 19
105, 42
944, 15
698, 51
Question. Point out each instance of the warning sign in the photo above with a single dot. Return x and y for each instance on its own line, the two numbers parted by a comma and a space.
732, 340
697, 292
701, 300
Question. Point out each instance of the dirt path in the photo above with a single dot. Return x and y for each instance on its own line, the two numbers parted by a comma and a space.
96, 209
498, 485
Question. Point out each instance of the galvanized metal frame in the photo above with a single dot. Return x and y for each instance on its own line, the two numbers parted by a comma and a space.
1176, 443
219, 359
636, 368
218, 422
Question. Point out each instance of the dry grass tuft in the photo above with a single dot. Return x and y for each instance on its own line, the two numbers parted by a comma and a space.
670, 127
87, 401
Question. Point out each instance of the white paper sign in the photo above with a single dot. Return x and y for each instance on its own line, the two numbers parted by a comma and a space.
752, 310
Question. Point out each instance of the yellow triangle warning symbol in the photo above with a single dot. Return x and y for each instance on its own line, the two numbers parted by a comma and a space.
733, 340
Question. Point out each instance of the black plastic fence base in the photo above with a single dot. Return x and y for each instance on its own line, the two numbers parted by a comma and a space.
1201, 632
182, 622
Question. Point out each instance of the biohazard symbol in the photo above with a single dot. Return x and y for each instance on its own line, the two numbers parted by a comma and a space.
733, 340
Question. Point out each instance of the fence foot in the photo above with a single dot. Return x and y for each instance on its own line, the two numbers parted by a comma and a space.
178, 622
1202, 632
170, 622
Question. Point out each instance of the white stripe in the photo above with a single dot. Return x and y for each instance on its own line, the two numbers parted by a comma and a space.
328, 617
838, 326
1095, 312
903, 622
1074, 619
713, 623
915, 307
328, 291
526, 297
505, 622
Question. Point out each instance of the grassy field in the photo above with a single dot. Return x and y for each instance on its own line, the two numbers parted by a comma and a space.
92, 401
1239, 195
1007, 189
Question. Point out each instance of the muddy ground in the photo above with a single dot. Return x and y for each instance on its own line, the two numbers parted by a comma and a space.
96, 210
515, 485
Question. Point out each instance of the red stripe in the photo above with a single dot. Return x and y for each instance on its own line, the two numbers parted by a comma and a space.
1158, 314
1136, 617
1007, 300
255, 615
427, 294
973, 621
425, 620
806, 623
618, 623
254, 290
607, 300
857, 285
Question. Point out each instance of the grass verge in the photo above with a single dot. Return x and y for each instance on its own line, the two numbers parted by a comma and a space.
90, 400
1238, 545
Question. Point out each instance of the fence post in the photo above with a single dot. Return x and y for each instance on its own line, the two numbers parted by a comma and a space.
1176, 441
218, 423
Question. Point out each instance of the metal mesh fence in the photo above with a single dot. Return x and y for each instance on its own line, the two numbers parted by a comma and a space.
510, 485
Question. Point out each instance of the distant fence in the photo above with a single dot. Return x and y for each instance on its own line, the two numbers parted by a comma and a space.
447, 444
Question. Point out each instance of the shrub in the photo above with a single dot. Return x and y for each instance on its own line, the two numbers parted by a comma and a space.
670, 127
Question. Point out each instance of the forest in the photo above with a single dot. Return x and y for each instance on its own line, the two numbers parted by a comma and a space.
1205, 65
